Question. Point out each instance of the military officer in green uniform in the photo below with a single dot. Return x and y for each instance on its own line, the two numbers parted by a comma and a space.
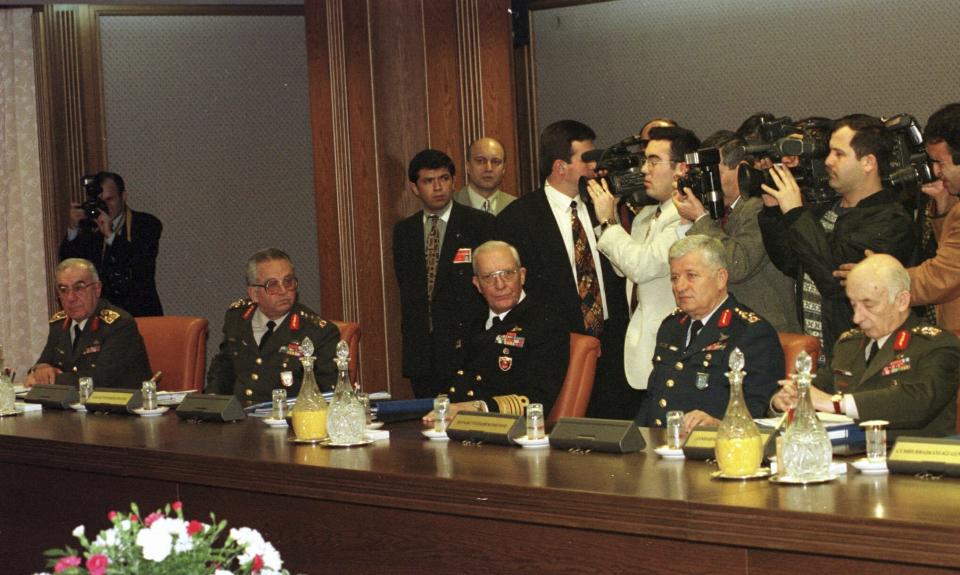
89, 337
891, 366
260, 350
692, 353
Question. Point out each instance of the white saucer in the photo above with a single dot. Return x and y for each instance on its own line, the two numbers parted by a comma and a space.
533, 443
435, 435
870, 467
760, 474
791, 481
668, 453
151, 412
375, 425
78, 407
275, 422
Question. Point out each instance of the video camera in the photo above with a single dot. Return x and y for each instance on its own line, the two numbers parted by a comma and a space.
622, 166
93, 205
910, 166
703, 178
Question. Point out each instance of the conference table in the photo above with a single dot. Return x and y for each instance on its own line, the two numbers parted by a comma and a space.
410, 505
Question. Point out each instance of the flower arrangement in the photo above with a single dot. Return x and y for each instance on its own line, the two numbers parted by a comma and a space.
164, 543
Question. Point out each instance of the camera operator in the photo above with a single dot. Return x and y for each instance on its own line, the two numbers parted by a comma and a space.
808, 246
753, 277
122, 244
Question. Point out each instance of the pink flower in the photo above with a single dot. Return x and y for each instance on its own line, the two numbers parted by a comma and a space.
257, 564
111, 515
97, 564
176, 505
65, 563
194, 527
152, 517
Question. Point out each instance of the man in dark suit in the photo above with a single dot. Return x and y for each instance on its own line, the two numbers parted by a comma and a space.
122, 243
578, 283
89, 337
432, 255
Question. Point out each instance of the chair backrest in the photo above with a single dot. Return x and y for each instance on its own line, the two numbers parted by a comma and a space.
956, 332
574, 396
793, 344
350, 333
177, 346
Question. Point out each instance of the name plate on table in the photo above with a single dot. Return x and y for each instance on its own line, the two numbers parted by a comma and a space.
486, 427
925, 455
211, 407
55, 396
115, 400
702, 442
590, 434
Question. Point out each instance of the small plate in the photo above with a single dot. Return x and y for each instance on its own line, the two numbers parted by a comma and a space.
668, 453
870, 467
78, 407
331, 444
275, 422
760, 474
293, 439
433, 435
791, 481
533, 443
375, 425
151, 412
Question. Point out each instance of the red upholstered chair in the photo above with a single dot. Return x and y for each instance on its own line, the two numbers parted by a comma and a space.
177, 346
956, 332
793, 344
350, 333
574, 396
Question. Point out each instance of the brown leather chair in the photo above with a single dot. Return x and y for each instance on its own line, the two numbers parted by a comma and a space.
956, 332
574, 396
350, 333
177, 346
793, 344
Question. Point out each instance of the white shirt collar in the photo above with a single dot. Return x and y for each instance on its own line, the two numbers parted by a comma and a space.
444, 214
492, 314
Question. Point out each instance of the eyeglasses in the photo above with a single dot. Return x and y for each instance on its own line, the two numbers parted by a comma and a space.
75, 289
654, 162
273, 286
505, 275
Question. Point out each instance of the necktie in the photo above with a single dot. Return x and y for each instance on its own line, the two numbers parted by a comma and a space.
635, 294
695, 328
266, 335
496, 322
76, 335
486, 206
872, 351
588, 286
433, 254
725, 218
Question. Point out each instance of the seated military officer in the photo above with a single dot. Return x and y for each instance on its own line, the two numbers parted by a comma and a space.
89, 337
691, 357
519, 351
260, 350
890, 366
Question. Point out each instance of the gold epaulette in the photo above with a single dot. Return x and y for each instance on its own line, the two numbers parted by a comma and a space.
676, 311
59, 316
927, 330
747, 316
242, 302
512, 404
109, 316
850, 334
314, 319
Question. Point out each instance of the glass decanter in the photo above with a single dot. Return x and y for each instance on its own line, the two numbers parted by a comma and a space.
309, 414
348, 418
739, 448
8, 396
807, 452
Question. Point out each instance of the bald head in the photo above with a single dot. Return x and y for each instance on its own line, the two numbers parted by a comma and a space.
485, 163
879, 292
655, 123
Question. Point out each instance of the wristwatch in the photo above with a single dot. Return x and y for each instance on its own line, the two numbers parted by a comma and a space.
837, 399
606, 224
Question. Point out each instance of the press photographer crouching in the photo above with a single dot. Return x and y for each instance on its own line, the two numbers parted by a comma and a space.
122, 244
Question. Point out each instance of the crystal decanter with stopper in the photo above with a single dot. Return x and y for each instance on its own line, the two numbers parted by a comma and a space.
739, 448
348, 418
807, 452
309, 414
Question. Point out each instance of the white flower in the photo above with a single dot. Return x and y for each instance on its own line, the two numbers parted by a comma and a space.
106, 538
248, 538
156, 544
78, 531
222, 572
176, 528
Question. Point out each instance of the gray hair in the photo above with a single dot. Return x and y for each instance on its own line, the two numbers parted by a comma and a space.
711, 247
264, 255
87, 265
494, 245
887, 272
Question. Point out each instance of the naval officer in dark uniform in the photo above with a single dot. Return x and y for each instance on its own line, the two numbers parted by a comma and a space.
891, 366
693, 348
262, 336
89, 337
520, 350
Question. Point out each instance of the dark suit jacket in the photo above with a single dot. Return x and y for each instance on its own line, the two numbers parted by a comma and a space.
128, 266
456, 302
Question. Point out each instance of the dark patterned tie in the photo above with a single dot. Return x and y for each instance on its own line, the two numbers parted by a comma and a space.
695, 328
725, 218
76, 335
266, 335
588, 287
872, 351
432, 254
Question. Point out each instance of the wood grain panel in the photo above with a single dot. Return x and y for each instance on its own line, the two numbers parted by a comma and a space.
442, 85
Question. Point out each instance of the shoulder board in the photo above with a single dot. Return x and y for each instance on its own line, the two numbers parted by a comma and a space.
314, 319
927, 330
109, 316
240, 303
676, 311
850, 334
59, 316
747, 316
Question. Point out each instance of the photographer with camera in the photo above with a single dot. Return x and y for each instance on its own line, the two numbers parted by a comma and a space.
808, 244
753, 277
122, 243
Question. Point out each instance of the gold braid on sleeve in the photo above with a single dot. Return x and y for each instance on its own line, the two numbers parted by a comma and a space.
512, 404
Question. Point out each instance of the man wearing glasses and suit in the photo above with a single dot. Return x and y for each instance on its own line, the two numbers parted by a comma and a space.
262, 334
89, 337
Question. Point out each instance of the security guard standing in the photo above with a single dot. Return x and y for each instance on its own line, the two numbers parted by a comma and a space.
260, 350
694, 343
